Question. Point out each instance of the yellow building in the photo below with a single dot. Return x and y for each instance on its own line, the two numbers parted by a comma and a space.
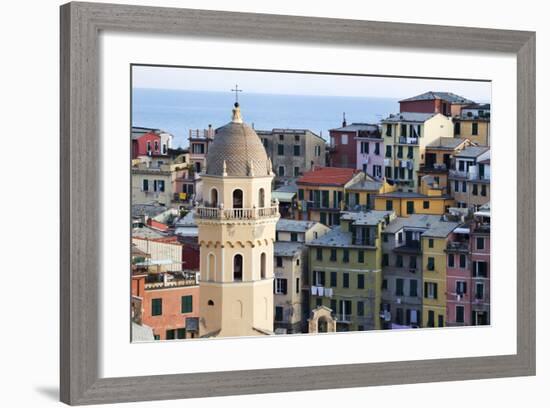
360, 195
431, 199
151, 184
438, 159
474, 123
321, 193
236, 224
434, 273
406, 136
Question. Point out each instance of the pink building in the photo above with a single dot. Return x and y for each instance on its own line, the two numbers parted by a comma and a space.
480, 237
343, 143
459, 278
370, 155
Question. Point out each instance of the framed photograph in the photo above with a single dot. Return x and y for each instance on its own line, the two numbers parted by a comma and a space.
261, 203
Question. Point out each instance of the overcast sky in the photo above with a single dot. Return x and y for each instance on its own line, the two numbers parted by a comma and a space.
301, 84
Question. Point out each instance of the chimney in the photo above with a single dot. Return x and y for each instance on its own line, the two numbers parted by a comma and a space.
344, 123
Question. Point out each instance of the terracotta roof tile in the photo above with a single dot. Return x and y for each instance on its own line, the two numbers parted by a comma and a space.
328, 176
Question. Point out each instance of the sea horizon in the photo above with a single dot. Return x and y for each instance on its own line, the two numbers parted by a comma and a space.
176, 111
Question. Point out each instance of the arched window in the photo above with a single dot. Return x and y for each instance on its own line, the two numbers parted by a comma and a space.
237, 198
214, 198
211, 273
263, 260
238, 268
261, 198
210, 302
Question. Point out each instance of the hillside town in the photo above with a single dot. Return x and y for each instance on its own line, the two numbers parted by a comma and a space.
250, 232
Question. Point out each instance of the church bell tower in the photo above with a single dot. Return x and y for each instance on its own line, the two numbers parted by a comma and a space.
236, 221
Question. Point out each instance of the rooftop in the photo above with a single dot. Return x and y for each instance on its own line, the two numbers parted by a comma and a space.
287, 188
187, 221
149, 210
147, 233
416, 117
479, 106
446, 96
335, 238
408, 194
294, 225
331, 176
367, 185
433, 225
283, 248
372, 217
354, 127
237, 151
472, 151
287, 131
446, 143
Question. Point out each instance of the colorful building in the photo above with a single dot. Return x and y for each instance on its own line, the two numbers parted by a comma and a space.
413, 286
152, 184
481, 266
438, 158
293, 152
343, 143
199, 141
470, 177
434, 272
236, 222
291, 270
150, 142
431, 199
321, 193
346, 270
370, 154
164, 298
360, 195
460, 288
446, 103
406, 136
474, 123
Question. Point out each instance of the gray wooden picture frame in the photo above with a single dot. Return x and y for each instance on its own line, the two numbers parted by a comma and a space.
81, 24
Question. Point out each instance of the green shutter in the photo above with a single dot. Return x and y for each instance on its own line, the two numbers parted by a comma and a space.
187, 304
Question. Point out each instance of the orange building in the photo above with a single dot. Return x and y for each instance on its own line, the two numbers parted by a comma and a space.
167, 302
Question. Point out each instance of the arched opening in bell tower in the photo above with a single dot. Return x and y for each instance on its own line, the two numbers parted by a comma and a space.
238, 267
214, 198
237, 198
263, 260
261, 198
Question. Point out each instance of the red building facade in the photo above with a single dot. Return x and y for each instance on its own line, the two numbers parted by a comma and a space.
446, 103
343, 143
147, 144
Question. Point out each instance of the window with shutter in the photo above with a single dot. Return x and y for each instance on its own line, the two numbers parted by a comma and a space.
187, 304
360, 281
413, 288
156, 307
399, 287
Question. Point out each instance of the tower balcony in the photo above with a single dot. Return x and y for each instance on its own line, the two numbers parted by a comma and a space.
214, 213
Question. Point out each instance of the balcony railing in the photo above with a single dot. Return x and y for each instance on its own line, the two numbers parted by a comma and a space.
321, 291
172, 280
458, 246
236, 213
408, 140
343, 318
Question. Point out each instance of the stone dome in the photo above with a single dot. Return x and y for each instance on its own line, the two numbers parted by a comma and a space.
237, 151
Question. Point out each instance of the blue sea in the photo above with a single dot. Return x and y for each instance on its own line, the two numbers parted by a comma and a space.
177, 111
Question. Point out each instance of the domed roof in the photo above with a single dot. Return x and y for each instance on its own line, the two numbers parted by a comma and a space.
237, 151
